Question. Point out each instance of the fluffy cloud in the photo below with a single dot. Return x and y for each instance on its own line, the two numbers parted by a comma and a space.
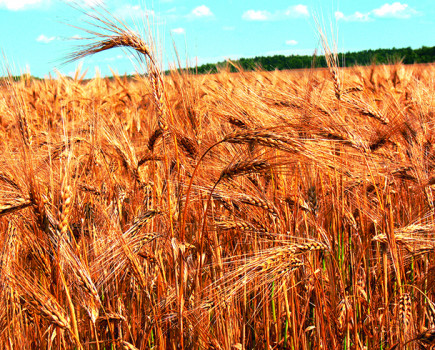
291, 42
15, 5
394, 10
297, 11
178, 31
253, 15
355, 17
201, 11
45, 39
262, 15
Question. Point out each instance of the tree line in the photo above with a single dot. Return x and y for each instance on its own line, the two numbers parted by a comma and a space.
366, 57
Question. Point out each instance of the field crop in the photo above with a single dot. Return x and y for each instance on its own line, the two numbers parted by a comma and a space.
289, 209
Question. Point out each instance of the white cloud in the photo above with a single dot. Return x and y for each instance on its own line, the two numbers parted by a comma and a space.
201, 11
44, 39
297, 11
178, 31
253, 15
395, 10
339, 15
263, 15
355, 17
228, 28
15, 5
291, 42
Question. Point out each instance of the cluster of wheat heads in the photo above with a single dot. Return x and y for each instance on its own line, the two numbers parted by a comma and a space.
249, 210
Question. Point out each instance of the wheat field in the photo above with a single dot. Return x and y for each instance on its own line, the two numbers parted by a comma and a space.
249, 210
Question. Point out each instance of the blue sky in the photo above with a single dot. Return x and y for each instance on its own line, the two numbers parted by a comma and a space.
36, 36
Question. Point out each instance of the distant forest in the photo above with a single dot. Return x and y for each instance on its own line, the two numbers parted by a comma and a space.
363, 58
